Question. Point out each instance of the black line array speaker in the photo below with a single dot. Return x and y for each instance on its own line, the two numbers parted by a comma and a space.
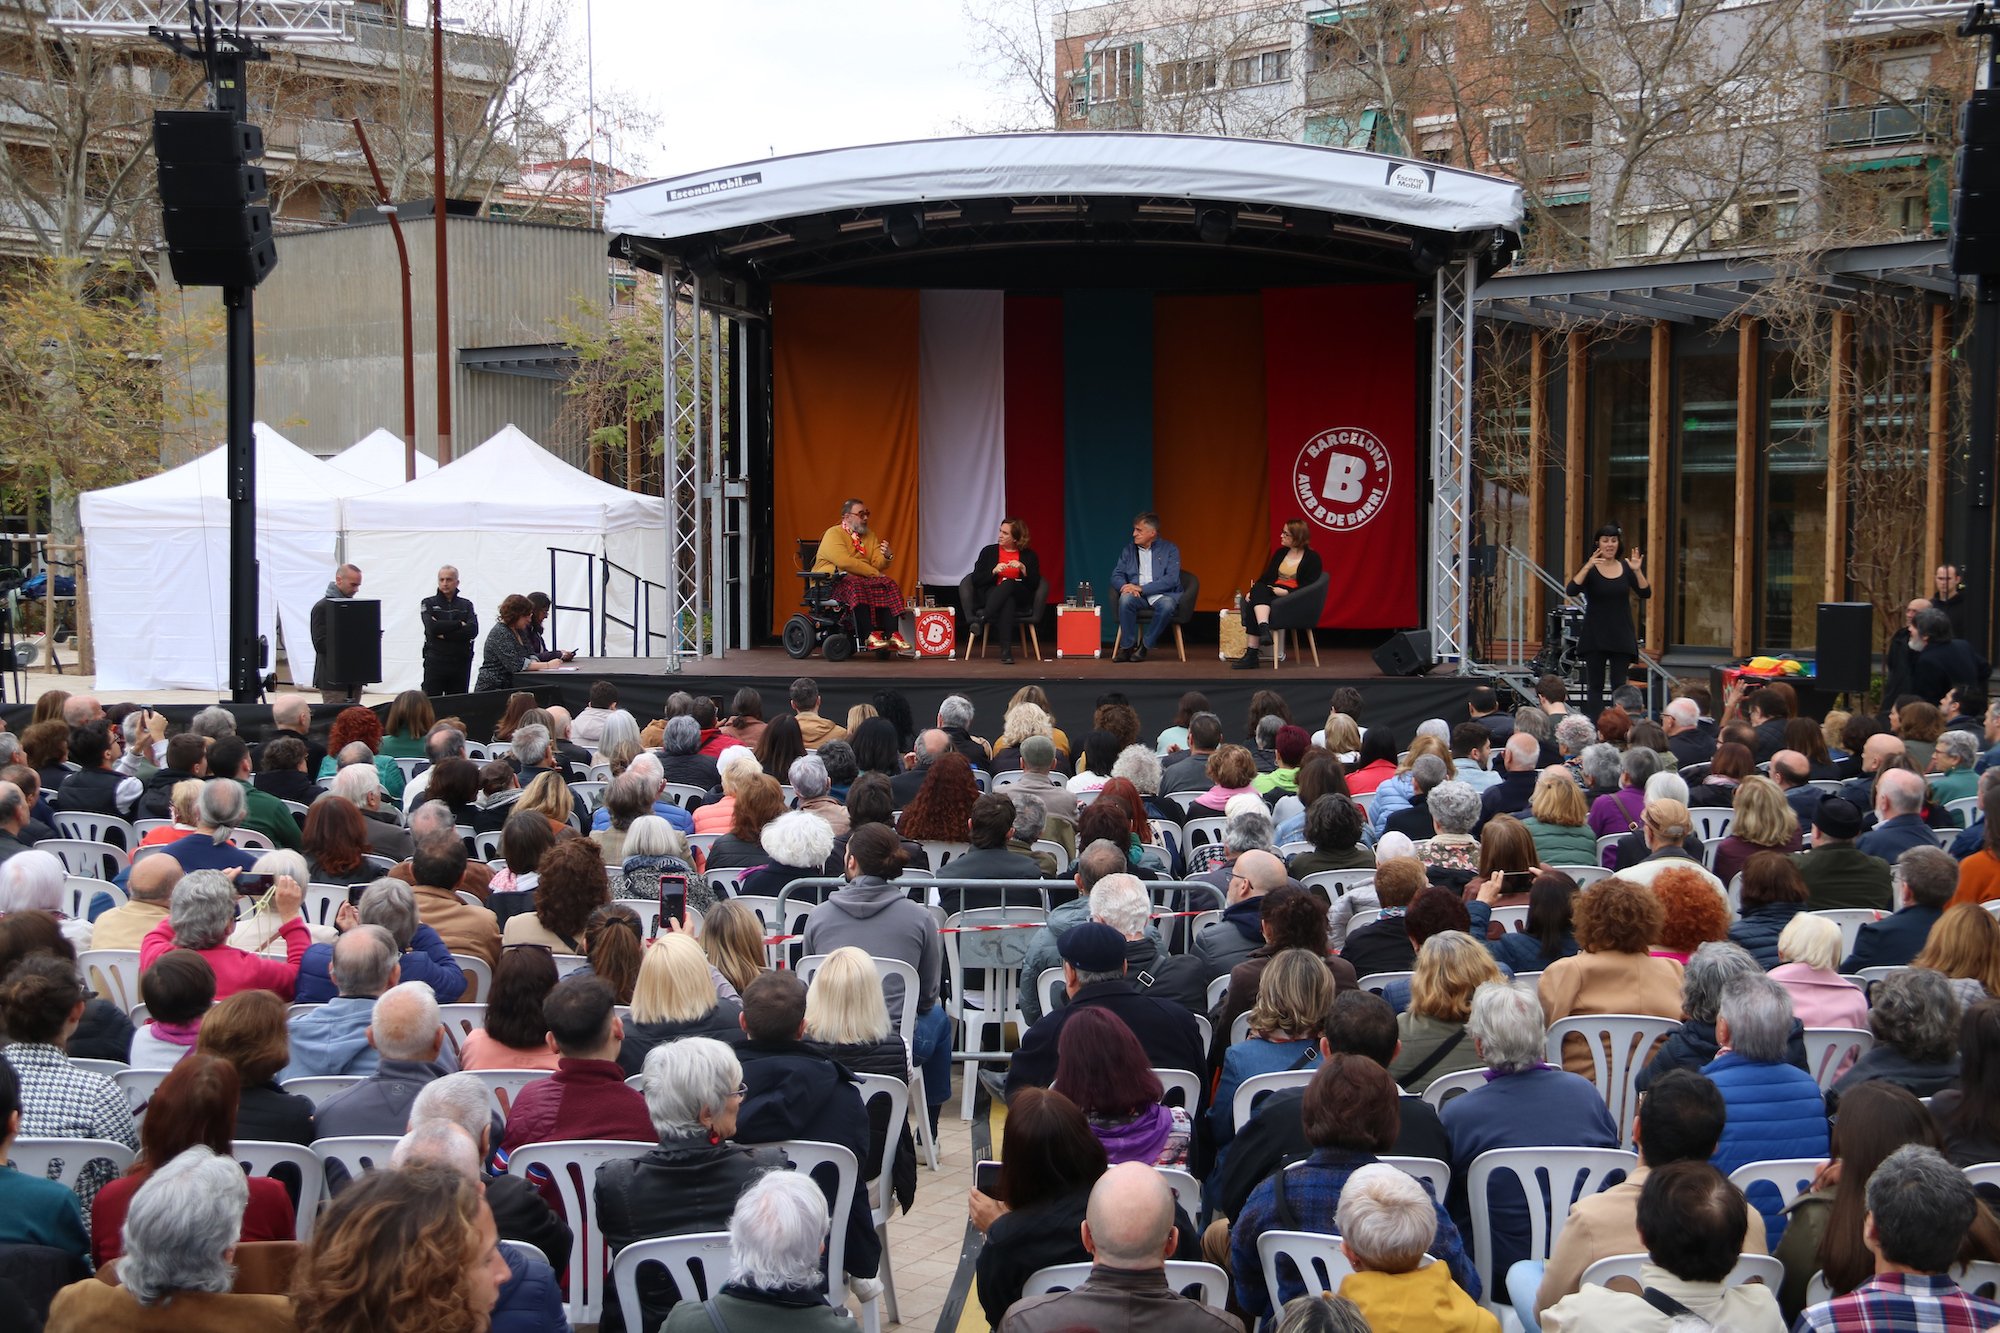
1406, 653
1975, 194
353, 641
1845, 652
213, 210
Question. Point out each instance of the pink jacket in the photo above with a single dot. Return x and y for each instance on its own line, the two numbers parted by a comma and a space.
1822, 999
235, 969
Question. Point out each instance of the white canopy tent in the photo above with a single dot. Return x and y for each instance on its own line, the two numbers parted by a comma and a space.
494, 513
158, 553
377, 458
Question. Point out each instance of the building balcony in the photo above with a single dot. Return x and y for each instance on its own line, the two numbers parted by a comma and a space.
1921, 120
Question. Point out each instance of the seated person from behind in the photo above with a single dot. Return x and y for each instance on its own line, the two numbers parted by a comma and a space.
860, 559
1386, 1222
1694, 1223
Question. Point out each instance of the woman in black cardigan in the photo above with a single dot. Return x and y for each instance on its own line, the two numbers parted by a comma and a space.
1005, 579
1291, 567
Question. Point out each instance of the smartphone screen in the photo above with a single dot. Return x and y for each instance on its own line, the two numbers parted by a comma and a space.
673, 897
253, 884
986, 1178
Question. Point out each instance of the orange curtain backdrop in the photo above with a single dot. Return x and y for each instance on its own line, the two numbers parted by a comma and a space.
843, 420
1209, 454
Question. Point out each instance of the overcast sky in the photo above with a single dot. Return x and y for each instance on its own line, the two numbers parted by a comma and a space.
744, 79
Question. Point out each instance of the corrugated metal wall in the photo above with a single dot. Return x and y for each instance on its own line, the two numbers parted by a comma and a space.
329, 332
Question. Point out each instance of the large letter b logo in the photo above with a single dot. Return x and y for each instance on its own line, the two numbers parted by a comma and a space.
1343, 478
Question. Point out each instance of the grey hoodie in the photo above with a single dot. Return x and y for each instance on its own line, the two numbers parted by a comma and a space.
879, 918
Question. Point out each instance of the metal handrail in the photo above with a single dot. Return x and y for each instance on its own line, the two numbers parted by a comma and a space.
589, 609
643, 589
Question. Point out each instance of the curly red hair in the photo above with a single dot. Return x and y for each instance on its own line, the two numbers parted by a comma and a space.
1693, 912
1123, 791
354, 724
1617, 916
942, 808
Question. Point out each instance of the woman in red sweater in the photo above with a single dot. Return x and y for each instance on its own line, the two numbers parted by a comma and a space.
194, 1105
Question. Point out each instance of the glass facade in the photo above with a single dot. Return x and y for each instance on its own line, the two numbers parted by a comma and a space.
1703, 558
1793, 542
1619, 376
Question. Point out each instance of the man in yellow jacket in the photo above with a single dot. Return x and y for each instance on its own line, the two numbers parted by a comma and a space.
1387, 1221
859, 557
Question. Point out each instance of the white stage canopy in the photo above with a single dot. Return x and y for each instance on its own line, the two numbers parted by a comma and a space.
158, 553
494, 513
1191, 166
377, 458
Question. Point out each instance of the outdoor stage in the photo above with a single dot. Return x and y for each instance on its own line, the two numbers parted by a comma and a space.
1154, 686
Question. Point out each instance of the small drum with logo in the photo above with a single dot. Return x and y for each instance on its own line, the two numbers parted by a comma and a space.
936, 631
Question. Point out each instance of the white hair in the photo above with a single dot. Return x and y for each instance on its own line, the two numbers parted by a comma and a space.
1245, 803
1121, 902
1811, 941
531, 744
1437, 727
221, 806
646, 764
1684, 711
202, 908
358, 783
650, 835
1524, 749
1140, 766
1386, 1218
1454, 806
432, 817
777, 1230
737, 764
1665, 786
405, 1023
686, 1077
439, 1143
282, 861
1902, 791
808, 777
181, 1224
31, 881
620, 727
955, 711
1507, 1023
799, 838
459, 1099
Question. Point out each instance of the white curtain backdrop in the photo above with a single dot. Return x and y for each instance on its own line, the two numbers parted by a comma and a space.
961, 429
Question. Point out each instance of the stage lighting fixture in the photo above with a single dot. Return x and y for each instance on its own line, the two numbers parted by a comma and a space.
1427, 256
906, 227
1213, 225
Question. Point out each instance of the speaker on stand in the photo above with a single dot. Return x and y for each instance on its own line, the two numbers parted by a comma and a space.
1406, 653
1844, 653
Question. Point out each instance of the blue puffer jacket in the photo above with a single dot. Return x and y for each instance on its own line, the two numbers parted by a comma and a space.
1759, 928
530, 1301
1774, 1111
1693, 1044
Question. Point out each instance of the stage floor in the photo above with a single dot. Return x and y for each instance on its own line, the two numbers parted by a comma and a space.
1074, 685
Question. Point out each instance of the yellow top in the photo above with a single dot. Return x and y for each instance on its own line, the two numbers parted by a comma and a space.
837, 554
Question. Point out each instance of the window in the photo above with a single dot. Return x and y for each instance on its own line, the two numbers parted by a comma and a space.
1440, 46
1503, 141
1756, 222
1573, 130
1630, 240
1510, 29
1186, 76
1112, 71
1576, 15
1908, 214
1436, 147
1273, 66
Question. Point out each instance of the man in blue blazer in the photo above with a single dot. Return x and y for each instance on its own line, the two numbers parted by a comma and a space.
1924, 880
1148, 572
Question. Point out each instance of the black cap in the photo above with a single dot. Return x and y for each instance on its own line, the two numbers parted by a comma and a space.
1837, 818
1093, 947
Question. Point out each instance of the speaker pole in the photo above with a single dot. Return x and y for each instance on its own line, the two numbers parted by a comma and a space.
1973, 502
241, 359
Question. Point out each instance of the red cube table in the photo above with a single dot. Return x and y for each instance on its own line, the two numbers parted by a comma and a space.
936, 631
1078, 632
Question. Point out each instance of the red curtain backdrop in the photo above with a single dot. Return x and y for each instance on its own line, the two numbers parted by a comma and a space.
844, 420
1034, 407
1208, 439
1341, 432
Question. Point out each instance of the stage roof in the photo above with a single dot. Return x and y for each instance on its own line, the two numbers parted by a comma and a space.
1009, 209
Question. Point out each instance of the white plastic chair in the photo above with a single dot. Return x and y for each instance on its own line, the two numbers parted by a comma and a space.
882, 1189
1551, 1179
1511, 918
1712, 821
259, 1158
1378, 982
723, 883
317, 1088
358, 1153
1050, 985
1244, 1104
1871, 975
1210, 1283
87, 826
78, 890
808, 1156
1620, 1045
589, 795
698, 1262
1187, 1190
1442, 1088
1201, 831
139, 1085
572, 1164
112, 974
1790, 1176
1984, 1173
1606, 843
569, 964
1965, 807
1340, 883
108, 1068
1830, 1050
941, 854
250, 840
1315, 1255
478, 977
1750, 1268
1216, 989
63, 1160
1239, 1028
321, 902
1365, 916
503, 1085
1585, 876
1435, 1175
1850, 920
1188, 1085
683, 794
1000, 954
82, 856
906, 1028
461, 1021
486, 846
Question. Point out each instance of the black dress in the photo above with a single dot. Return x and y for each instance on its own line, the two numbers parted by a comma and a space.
1001, 602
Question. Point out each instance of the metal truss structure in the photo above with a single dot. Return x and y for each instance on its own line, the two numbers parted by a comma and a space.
1451, 460
264, 20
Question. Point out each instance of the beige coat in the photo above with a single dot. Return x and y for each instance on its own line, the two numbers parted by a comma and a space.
463, 928
1607, 1224
1608, 983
